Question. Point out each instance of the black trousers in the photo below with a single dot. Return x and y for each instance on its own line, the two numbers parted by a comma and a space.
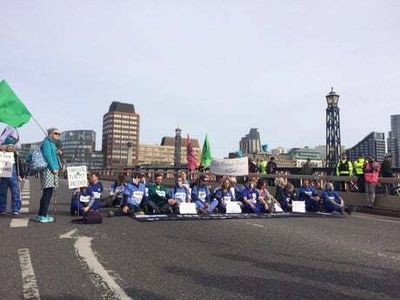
361, 183
45, 201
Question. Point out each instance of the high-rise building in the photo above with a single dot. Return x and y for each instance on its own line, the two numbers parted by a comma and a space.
78, 147
373, 144
394, 140
121, 135
251, 143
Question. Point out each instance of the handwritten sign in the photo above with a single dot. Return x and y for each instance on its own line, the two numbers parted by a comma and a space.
187, 208
77, 177
232, 207
6, 164
299, 206
230, 167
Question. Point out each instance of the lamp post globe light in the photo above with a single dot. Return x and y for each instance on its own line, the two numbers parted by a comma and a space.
333, 145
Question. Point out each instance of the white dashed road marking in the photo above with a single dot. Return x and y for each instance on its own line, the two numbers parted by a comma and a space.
29, 283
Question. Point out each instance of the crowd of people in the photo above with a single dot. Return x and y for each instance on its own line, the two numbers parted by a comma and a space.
138, 195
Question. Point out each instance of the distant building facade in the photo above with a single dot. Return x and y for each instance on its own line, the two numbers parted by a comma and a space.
121, 126
301, 155
373, 144
163, 154
394, 140
251, 143
79, 148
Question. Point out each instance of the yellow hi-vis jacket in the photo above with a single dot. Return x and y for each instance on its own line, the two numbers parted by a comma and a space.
344, 168
358, 166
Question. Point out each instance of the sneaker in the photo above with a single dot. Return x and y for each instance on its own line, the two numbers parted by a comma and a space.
49, 218
2, 213
139, 213
15, 213
41, 219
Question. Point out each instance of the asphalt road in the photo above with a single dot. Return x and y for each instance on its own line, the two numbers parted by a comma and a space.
356, 257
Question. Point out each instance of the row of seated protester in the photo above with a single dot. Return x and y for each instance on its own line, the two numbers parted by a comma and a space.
138, 197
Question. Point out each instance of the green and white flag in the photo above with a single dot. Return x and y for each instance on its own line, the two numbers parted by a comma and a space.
12, 111
206, 154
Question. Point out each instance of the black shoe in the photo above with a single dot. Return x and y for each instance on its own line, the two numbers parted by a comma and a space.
349, 210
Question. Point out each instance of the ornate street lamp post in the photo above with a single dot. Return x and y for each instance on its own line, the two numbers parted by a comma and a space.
333, 145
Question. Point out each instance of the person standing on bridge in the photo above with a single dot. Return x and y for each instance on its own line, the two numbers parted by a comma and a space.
344, 168
49, 176
359, 170
9, 140
371, 176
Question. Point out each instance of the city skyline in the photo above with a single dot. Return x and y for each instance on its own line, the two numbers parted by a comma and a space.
216, 68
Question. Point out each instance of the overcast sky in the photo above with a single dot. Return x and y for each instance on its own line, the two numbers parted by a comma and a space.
216, 67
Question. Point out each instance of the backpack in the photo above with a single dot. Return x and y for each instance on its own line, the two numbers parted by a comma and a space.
92, 217
36, 161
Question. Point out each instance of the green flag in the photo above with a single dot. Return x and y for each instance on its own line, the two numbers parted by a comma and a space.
206, 154
12, 111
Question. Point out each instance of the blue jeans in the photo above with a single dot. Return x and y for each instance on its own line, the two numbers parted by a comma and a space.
258, 208
12, 183
212, 205
77, 205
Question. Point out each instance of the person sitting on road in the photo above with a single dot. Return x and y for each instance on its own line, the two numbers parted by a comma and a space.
309, 194
201, 195
186, 182
266, 198
280, 185
157, 200
286, 196
250, 197
178, 194
134, 196
116, 191
95, 188
80, 199
332, 201
222, 196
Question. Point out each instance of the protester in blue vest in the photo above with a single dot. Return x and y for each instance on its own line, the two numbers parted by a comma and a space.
309, 194
178, 194
95, 188
134, 196
332, 201
9, 141
80, 199
201, 195
251, 199
223, 195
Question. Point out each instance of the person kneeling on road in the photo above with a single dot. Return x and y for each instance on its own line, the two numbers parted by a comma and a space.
178, 194
309, 194
332, 201
134, 196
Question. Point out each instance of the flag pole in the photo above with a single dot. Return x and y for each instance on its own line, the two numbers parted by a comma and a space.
33, 118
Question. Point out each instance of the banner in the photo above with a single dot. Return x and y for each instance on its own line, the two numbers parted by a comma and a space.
6, 164
230, 167
77, 177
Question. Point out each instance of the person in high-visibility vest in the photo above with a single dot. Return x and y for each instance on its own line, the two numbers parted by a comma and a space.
344, 168
358, 166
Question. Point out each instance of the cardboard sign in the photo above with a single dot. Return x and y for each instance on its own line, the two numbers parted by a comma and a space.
77, 177
230, 167
299, 206
6, 164
232, 207
187, 208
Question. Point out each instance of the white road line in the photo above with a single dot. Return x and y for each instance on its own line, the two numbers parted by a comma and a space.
99, 276
29, 283
24, 202
19, 222
375, 219
24, 210
256, 225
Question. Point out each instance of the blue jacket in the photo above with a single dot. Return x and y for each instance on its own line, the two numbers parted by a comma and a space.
327, 196
134, 194
201, 193
49, 151
223, 195
305, 193
250, 194
94, 188
180, 193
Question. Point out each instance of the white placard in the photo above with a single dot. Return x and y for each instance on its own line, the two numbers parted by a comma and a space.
299, 206
232, 207
84, 199
278, 208
187, 208
230, 167
77, 177
6, 164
